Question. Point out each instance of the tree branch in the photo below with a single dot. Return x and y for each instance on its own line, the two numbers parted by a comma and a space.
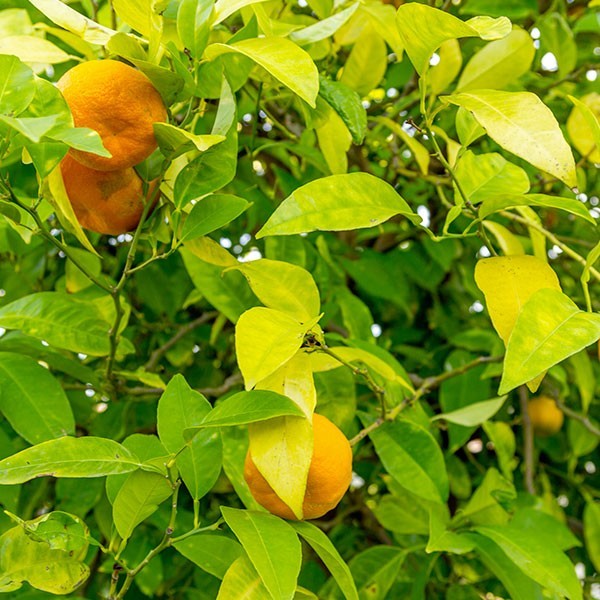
527, 440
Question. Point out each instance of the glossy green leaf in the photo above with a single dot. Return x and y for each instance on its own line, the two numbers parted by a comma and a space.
504, 201
265, 339
24, 560
544, 564
17, 86
441, 537
68, 457
423, 29
210, 213
403, 513
413, 458
499, 64
283, 59
549, 329
337, 203
271, 545
139, 497
60, 320
212, 552
522, 124
327, 552
474, 414
591, 530
282, 286
174, 141
248, 407
32, 400
193, 24
347, 104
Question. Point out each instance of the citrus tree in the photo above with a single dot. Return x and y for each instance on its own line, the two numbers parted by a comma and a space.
299, 299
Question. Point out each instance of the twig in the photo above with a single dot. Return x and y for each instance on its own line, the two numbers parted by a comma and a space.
527, 440
427, 384
230, 382
183, 331
584, 420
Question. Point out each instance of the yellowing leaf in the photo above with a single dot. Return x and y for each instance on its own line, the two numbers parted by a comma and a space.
549, 329
509, 243
211, 252
522, 124
265, 339
31, 49
283, 286
507, 282
334, 141
283, 59
583, 126
424, 29
499, 63
443, 74
419, 151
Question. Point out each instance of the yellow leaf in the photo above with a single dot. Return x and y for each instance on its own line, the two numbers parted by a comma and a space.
211, 252
334, 141
443, 74
583, 126
507, 282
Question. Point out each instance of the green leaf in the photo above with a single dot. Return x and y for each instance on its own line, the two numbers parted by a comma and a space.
545, 564
413, 458
179, 408
242, 580
591, 530
503, 438
423, 29
474, 414
44, 568
337, 203
328, 553
210, 213
33, 128
33, 50
265, 339
225, 8
271, 545
61, 321
68, 457
17, 85
248, 407
60, 530
174, 141
32, 401
138, 14
504, 201
484, 176
282, 286
138, 498
443, 539
498, 64
583, 126
549, 329
556, 37
193, 24
522, 124
419, 151
404, 513
324, 28
212, 552
347, 104
283, 59
592, 257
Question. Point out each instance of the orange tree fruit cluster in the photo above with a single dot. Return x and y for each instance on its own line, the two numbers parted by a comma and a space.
121, 104
546, 418
329, 474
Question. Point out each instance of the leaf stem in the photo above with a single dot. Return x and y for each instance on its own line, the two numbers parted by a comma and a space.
583, 419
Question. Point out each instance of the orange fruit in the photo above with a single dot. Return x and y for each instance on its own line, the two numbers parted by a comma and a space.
329, 474
546, 418
109, 202
121, 104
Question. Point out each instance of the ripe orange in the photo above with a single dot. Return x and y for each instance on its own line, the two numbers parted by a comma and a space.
546, 418
121, 104
109, 202
329, 474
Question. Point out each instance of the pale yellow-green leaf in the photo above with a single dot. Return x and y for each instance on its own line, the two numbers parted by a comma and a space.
63, 15
265, 339
274, 27
442, 75
508, 242
507, 282
323, 29
70, 39
335, 141
381, 16
283, 59
522, 124
136, 13
57, 196
32, 50
225, 8
283, 286
419, 151
499, 63
538, 240
424, 29
367, 63
211, 252
242, 581
583, 126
